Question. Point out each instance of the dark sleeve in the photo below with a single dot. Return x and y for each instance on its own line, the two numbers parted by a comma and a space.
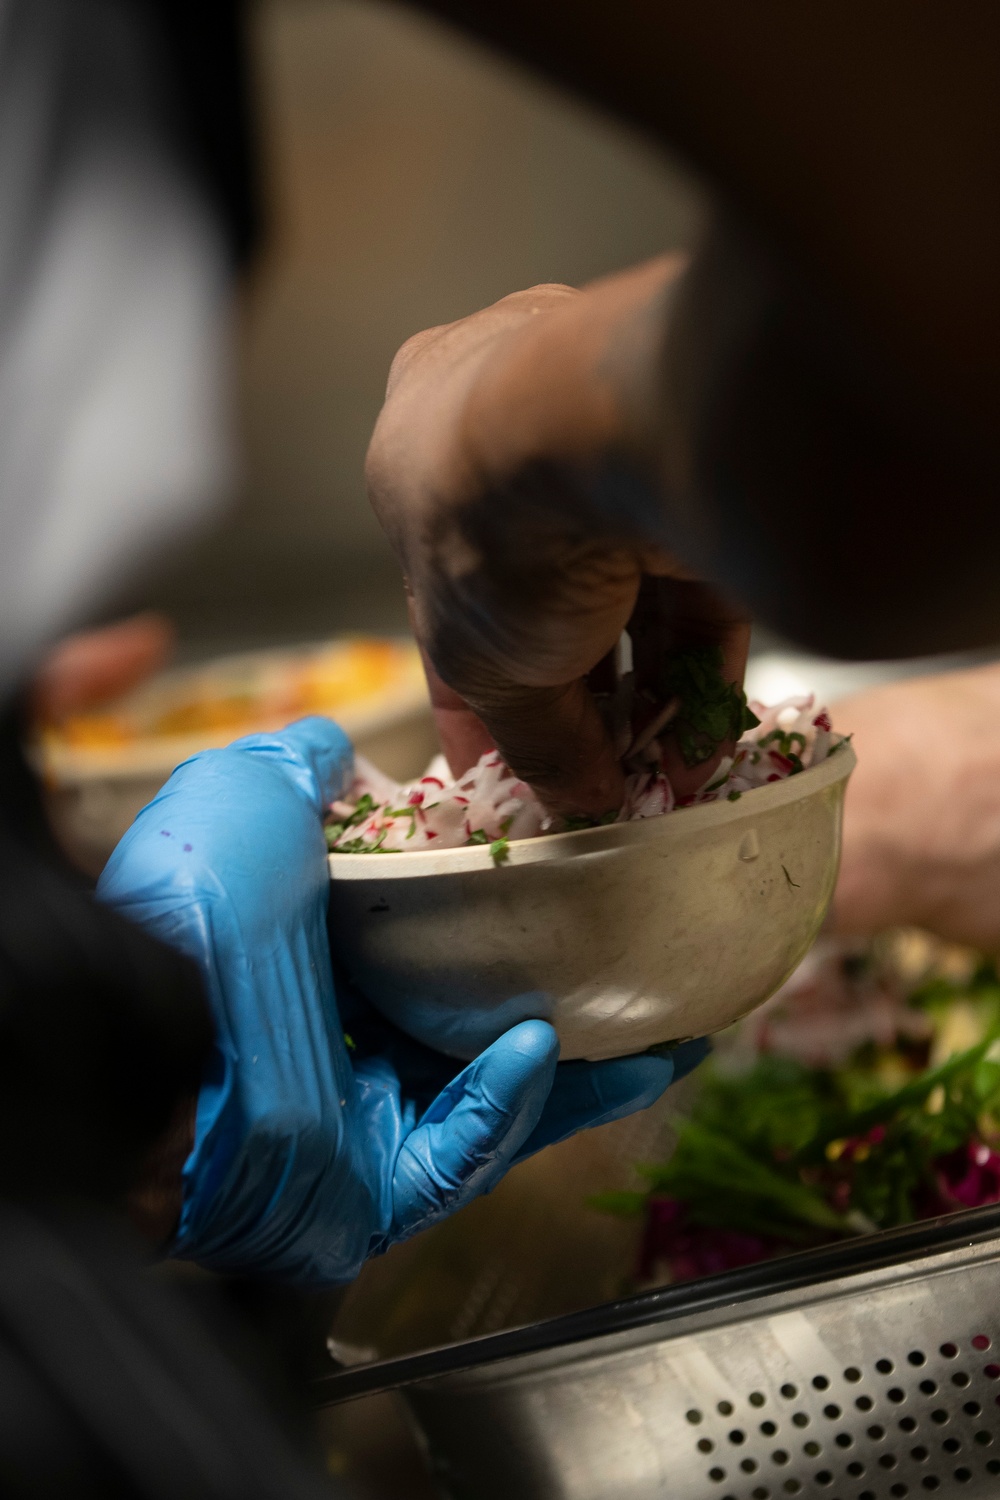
208, 97
833, 363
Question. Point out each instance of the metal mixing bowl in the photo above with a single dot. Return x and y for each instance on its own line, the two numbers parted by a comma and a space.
623, 937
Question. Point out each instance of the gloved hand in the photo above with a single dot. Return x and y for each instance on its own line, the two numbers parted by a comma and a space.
307, 1158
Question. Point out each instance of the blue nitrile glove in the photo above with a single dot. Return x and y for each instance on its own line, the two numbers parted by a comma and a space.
307, 1159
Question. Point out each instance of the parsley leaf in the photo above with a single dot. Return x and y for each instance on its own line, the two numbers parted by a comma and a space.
711, 710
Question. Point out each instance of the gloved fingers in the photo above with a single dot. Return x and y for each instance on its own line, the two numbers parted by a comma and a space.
240, 826
689, 1055
422, 1071
474, 1129
586, 1094
314, 753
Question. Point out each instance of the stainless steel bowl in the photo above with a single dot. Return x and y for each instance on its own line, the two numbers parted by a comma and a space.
623, 936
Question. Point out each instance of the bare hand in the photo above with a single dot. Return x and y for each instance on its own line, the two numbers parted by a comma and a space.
511, 470
94, 666
922, 820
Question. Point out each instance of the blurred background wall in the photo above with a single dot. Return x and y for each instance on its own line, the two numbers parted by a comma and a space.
409, 178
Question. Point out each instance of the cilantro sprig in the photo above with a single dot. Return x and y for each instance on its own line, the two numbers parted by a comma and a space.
499, 848
711, 710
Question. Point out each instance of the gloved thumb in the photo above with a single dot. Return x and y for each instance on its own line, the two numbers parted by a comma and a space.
469, 1136
313, 753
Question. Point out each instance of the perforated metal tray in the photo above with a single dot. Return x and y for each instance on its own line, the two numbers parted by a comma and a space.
858, 1372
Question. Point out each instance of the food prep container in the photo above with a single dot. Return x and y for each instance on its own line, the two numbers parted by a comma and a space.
95, 786
624, 936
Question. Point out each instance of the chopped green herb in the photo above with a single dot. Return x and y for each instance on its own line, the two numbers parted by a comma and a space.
783, 744
500, 851
734, 796
362, 808
409, 811
711, 710
359, 846
478, 836
782, 741
576, 821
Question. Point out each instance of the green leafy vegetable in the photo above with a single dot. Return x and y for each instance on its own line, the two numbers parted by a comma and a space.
742, 1185
711, 709
794, 1155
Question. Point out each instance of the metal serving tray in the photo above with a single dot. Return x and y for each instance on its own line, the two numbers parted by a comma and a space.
861, 1371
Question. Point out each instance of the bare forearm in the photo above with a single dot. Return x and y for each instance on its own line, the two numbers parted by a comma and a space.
922, 819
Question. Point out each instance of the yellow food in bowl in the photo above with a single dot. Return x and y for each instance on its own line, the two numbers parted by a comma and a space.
192, 708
